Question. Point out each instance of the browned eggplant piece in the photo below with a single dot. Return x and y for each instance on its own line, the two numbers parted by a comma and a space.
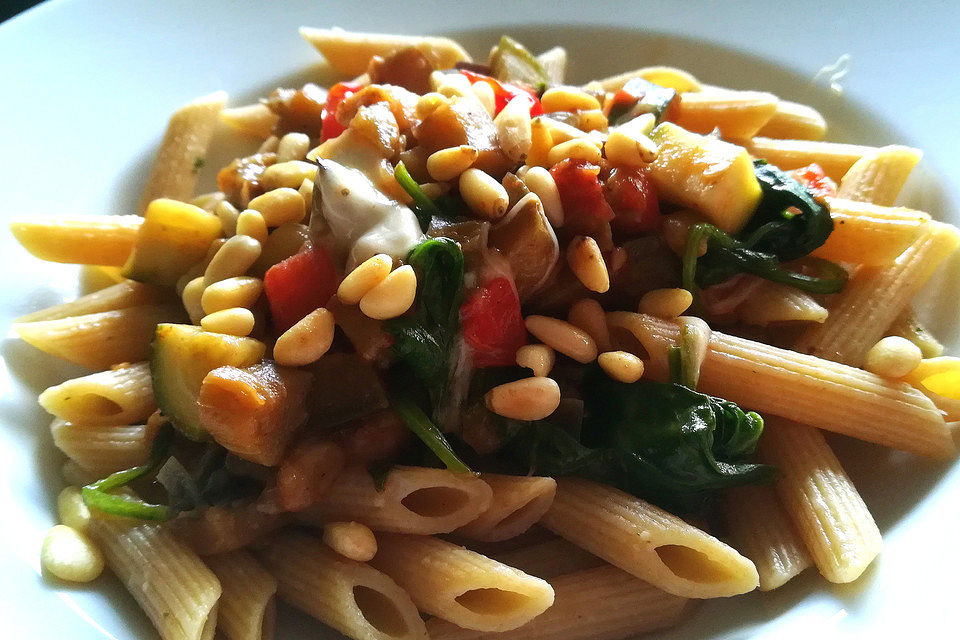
525, 238
408, 67
460, 121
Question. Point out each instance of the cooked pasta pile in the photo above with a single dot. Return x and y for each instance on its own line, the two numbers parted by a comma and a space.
463, 351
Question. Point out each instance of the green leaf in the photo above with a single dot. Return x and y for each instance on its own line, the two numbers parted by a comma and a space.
423, 207
511, 62
418, 422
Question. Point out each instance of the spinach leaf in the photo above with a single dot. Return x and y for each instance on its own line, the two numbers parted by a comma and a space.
418, 422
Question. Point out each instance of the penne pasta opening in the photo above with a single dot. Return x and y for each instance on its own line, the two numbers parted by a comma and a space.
436, 502
95, 404
695, 566
493, 602
380, 611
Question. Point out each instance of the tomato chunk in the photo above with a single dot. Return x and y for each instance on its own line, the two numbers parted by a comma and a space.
338, 93
492, 325
815, 180
633, 197
298, 285
584, 207
504, 92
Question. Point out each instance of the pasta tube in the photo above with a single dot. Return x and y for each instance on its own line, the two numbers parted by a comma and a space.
117, 396
869, 235
737, 114
103, 449
121, 295
908, 325
247, 609
833, 157
549, 559
349, 52
517, 503
794, 121
670, 77
253, 119
91, 239
772, 302
879, 176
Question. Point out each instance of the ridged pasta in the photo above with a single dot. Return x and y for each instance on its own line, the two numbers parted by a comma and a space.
670, 77
821, 393
647, 542
253, 119
829, 514
170, 583
833, 157
349, 52
103, 449
88, 239
879, 176
908, 325
771, 303
737, 114
518, 502
116, 396
549, 559
869, 235
247, 609
122, 295
794, 121
459, 585
352, 597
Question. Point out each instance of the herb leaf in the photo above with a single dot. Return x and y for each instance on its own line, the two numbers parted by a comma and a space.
418, 422
423, 207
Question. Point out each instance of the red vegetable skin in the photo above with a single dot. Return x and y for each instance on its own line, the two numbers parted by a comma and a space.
338, 93
504, 93
298, 285
584, 207
491, 324
633, 197
815, 180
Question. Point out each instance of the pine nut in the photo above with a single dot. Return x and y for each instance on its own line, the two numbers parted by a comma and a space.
293, 146
485, 96
306, 341
287, 174
208, 201
592, 120
351, 539
588, 315
586, 262
642, 125
485, 196
392, 297
434, 190
567, 99
624, 149
447, 164
561, 131
578, 149
232, 259
528, 399
269, 145
228, 215
429, 102
239, 291
73, 511
539, 358
541, 141
70, 555
453, 85
513, 128
542, 183
236, 321
364, 277
279, 206
676, 229
192, 296
892, 357
251, 223
621, 366
563, 337
666, 303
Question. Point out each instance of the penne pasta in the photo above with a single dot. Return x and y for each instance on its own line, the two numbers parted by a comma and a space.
517, 503
89, 239
823, 394
873, 298
602, 603
121, 295
833, 157
255, 119
352, 597
247, 609
183, 150
94, 278
908, 325
549, 559
647, 542
869, 235
879, 176
413, 500
349, 52
829, 514
118, 396
772, 303
99, 340
671, 77
763, 532
170, 583
794, 121
103, 449
459, 585
737, 114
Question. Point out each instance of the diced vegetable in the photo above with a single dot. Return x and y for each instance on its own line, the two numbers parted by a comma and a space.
299, 110
511, 62
298, 285
584, 207
174, 236
307, 473
345, 387
504, 92
182, 357
337, 94
527, 240
633, 198
462, 121
492, 324
639, 96
815, 179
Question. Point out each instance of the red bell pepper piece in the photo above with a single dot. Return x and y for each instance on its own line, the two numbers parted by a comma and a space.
633, 197
298, 285
815, 180
337, 94
584, 207
504, 92
491, 324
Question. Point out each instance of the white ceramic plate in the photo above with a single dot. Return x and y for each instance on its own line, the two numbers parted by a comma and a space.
88, 86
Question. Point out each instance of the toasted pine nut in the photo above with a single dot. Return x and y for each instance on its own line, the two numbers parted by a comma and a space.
306, 341
287, 174
228, 215
251, 223
239, 291
541, 141
434, 190
447, 164
392, 296
539, 358
306, 192
235, 321
586, 262
578, 149
279, 206
364, 277
70, 555
892, 357
666, 303
208, 201
528, 399
513, 128
621, 366
192, 296
293, 146
563, 337
567, 99
542, 183
351, 539
485, 96
73, 511
623, 150
592, 120
269, 145
676, 230
453, 85
429, 102
232, 259
485, 196
588, 315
